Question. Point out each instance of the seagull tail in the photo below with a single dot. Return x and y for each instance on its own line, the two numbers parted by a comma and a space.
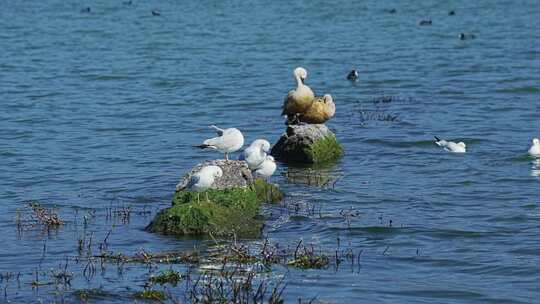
436, 138
203, 146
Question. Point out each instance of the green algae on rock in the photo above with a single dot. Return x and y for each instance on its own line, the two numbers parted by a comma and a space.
307, 143
220, 211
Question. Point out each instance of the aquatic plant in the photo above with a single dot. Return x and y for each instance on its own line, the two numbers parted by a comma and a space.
323, 150
168, 276
151, 294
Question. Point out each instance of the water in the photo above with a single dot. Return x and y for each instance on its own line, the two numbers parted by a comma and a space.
102, 108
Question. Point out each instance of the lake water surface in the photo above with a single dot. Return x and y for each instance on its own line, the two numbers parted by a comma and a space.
101, 109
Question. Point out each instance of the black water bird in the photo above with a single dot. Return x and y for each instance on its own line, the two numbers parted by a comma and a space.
425, 22
353, 75
451, 13
86, 10
466, 36
156, 13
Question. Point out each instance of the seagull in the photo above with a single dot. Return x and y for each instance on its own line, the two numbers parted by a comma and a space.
255, 154
353, 75
297, 101
156, 13
466, 36
535, 148
267, 168
451, 146
425, 22
204, 178
229, 140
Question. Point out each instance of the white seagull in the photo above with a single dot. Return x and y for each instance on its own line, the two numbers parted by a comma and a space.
267, 168
229, 140
535, 148
255, 154
451, 146
204, 178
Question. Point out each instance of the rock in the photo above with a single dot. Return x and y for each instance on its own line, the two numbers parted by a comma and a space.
307, 143
230, 206
235, 174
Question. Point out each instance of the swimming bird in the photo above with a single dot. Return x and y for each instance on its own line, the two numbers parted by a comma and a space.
353, 75
156, 13
321, 110
229, 140
451, 13
267, 168
205, 178
465, 36
298, 100
86, 10
534, 150
255, 154
451, 146
425, 22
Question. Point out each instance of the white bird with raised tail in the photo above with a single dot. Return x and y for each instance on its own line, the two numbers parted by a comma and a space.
267, 168
229, 140
204, 179
255, 154
451, 146
534, 150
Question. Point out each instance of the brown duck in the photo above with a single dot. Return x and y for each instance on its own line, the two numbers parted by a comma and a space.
321, 110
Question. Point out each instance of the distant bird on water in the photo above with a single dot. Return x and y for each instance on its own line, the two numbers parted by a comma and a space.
86, 10
451, 146
321, 110
425, 22
534, 150
156, 13
353, 75
451, 13
229, 140
205, 178
466, 36
298, 100
255, 154
127, 2
390, 11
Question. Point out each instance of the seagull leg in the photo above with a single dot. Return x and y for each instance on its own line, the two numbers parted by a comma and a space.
226, 156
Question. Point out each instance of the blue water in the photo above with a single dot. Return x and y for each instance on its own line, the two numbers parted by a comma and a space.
100, 109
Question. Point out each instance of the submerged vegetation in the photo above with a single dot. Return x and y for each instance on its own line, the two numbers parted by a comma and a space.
324, 150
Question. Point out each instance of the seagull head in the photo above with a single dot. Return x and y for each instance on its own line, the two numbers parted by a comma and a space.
462, 144
536, 141
263, 144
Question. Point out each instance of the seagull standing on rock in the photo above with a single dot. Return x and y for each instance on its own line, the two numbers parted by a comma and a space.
229, 140
535, 148
255, 154
451, 146
267, 168
204, 179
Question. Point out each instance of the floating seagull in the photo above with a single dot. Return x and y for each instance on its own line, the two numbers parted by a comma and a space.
204, 178
535, 148
267, 168
466, 36
425, 22
255, 154
229, 140
321, 110
353, 75
451, 146
297, 101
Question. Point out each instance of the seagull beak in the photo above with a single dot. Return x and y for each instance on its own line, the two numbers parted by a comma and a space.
302, 79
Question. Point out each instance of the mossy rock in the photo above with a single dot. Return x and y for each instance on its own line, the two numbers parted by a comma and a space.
307, 143
219, 212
